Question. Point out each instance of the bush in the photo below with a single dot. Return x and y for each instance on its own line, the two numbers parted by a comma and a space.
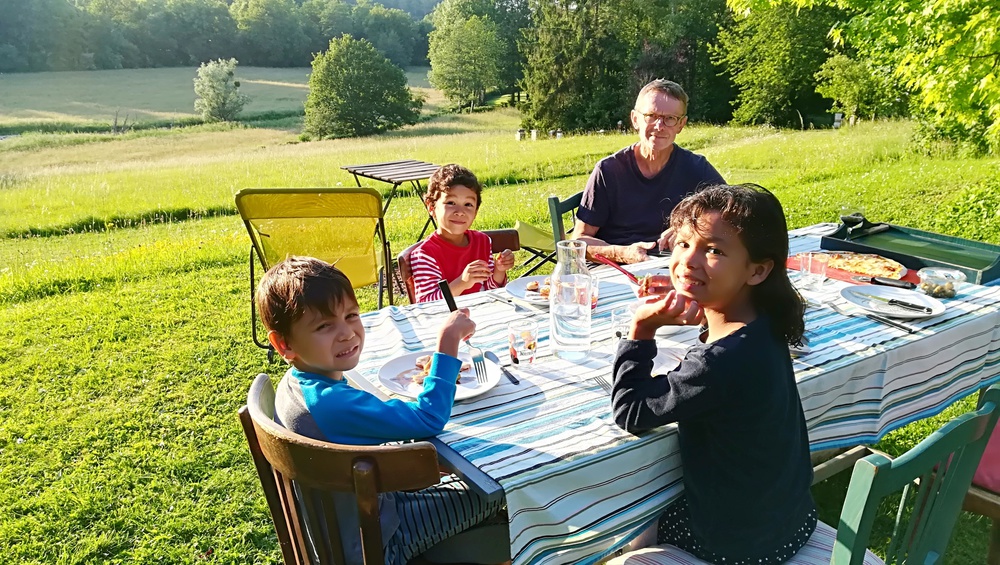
972, 212
218, 93
354, 90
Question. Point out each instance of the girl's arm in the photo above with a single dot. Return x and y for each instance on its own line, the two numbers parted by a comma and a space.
642, 402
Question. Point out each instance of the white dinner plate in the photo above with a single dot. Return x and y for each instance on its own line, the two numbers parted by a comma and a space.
854, 295
517, 289
397, 376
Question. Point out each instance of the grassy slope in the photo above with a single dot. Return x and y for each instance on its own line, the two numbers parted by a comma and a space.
128, 350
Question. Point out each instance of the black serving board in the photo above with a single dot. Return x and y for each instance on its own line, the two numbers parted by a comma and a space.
917, 249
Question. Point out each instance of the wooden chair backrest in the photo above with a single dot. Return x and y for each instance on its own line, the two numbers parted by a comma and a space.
299, 476
559, 207
501, 239
933, 477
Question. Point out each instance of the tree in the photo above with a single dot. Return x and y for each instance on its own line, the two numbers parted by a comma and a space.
576, 74
270, 32
857, 89
219, 98
464, 70
946, 53
773, 55
354, 90
392, 32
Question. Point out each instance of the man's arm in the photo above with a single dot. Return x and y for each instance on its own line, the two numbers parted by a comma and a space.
635, 253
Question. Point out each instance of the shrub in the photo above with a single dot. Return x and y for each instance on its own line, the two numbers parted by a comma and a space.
219, 98
972, 212
354, 90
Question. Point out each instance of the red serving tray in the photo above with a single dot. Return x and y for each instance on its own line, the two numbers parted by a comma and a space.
840, 275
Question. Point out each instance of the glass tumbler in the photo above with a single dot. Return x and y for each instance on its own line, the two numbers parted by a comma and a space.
523, 338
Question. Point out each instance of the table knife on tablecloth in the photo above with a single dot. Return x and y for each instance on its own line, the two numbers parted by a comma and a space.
896, 302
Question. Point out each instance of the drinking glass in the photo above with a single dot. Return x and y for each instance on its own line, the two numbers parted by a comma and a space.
852, 214
523, 338
812, 268
621, 322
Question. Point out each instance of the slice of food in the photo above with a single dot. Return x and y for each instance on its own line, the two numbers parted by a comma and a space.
544, 291
866, 264
644, 286
423, 364
532, 286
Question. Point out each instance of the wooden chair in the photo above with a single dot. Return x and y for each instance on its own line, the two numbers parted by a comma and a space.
933, 477
501, 239
983, 497
300, 476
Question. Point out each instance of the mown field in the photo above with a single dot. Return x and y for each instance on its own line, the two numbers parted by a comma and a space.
124, 301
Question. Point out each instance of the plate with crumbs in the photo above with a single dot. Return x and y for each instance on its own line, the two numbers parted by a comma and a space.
403, 376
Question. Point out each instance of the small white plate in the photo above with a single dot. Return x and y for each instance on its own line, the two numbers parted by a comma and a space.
855, 295
517, 289
397, 376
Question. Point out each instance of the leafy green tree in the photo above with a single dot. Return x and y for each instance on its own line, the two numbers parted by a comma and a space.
325, 20
463, 68
577, 70
858, 89
392, 32
945, 52
218, 91
773, 55
354, 90
270, 32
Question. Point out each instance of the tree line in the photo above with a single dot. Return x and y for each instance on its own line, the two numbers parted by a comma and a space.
59, 35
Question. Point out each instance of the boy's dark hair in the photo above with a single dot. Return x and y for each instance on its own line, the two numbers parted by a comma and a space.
296, 284
757, 216
449, 176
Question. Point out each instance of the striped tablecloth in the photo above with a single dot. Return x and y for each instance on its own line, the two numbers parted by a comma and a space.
578, 487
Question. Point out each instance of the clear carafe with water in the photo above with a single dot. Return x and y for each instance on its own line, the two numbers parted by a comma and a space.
570, 301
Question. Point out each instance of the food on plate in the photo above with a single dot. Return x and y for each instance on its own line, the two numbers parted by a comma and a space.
424, 365
866, 264
947, 290
544, 291
532, 286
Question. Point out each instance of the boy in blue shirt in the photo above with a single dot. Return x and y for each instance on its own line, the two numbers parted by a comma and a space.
314, 323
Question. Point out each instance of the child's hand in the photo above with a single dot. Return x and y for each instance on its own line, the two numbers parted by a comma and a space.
504, 261
457, 327
670, 309
475, 272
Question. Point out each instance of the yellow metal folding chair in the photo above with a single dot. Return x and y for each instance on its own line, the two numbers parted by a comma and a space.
342, 226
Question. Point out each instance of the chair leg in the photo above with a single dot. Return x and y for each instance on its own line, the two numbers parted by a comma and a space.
994, 555
548, 258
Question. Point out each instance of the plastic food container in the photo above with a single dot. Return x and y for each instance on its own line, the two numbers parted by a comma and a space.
939, 282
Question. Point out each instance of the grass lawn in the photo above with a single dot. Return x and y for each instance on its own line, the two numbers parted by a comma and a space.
124, 298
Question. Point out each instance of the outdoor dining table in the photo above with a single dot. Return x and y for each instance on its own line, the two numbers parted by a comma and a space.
396, 173
577, 487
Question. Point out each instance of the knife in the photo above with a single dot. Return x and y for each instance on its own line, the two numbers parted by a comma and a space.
493, 357
895, 302
884, 281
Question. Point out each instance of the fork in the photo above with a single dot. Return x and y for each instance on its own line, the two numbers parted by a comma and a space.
478, 360
603, 383
874, 317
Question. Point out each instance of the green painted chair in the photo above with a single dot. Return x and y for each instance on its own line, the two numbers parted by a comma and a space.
541, 243
933, 477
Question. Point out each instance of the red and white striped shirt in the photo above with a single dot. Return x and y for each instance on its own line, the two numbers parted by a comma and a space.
435, 259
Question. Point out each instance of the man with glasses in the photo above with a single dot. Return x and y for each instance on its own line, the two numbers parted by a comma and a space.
629, 196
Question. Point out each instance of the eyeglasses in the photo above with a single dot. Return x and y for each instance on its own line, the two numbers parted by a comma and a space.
669, 121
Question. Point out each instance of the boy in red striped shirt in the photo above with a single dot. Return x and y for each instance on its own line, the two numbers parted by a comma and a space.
454, 252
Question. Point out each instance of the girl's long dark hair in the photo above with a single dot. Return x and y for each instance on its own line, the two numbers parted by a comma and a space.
760, 221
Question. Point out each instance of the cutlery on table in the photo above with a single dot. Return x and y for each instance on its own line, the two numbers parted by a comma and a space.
610, 263
493, 357
884, 281
896, 302
875, 318
477, 354
603, 383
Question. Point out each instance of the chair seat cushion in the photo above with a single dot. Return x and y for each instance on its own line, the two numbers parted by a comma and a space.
816, 551
988, 473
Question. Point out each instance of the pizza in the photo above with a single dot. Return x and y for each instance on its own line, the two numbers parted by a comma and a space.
866, 264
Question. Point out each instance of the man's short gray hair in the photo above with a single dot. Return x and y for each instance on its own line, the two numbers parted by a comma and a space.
667, 87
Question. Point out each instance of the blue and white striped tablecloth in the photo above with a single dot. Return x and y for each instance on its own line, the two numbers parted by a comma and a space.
578, 487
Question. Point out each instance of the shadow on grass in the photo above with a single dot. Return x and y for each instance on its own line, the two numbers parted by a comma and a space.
94, 224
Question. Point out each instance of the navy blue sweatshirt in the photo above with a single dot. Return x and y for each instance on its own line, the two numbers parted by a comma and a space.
743, 440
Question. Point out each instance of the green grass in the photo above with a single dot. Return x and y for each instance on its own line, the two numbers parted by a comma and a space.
123, 294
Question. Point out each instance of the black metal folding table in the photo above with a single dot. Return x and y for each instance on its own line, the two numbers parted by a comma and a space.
396, 173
